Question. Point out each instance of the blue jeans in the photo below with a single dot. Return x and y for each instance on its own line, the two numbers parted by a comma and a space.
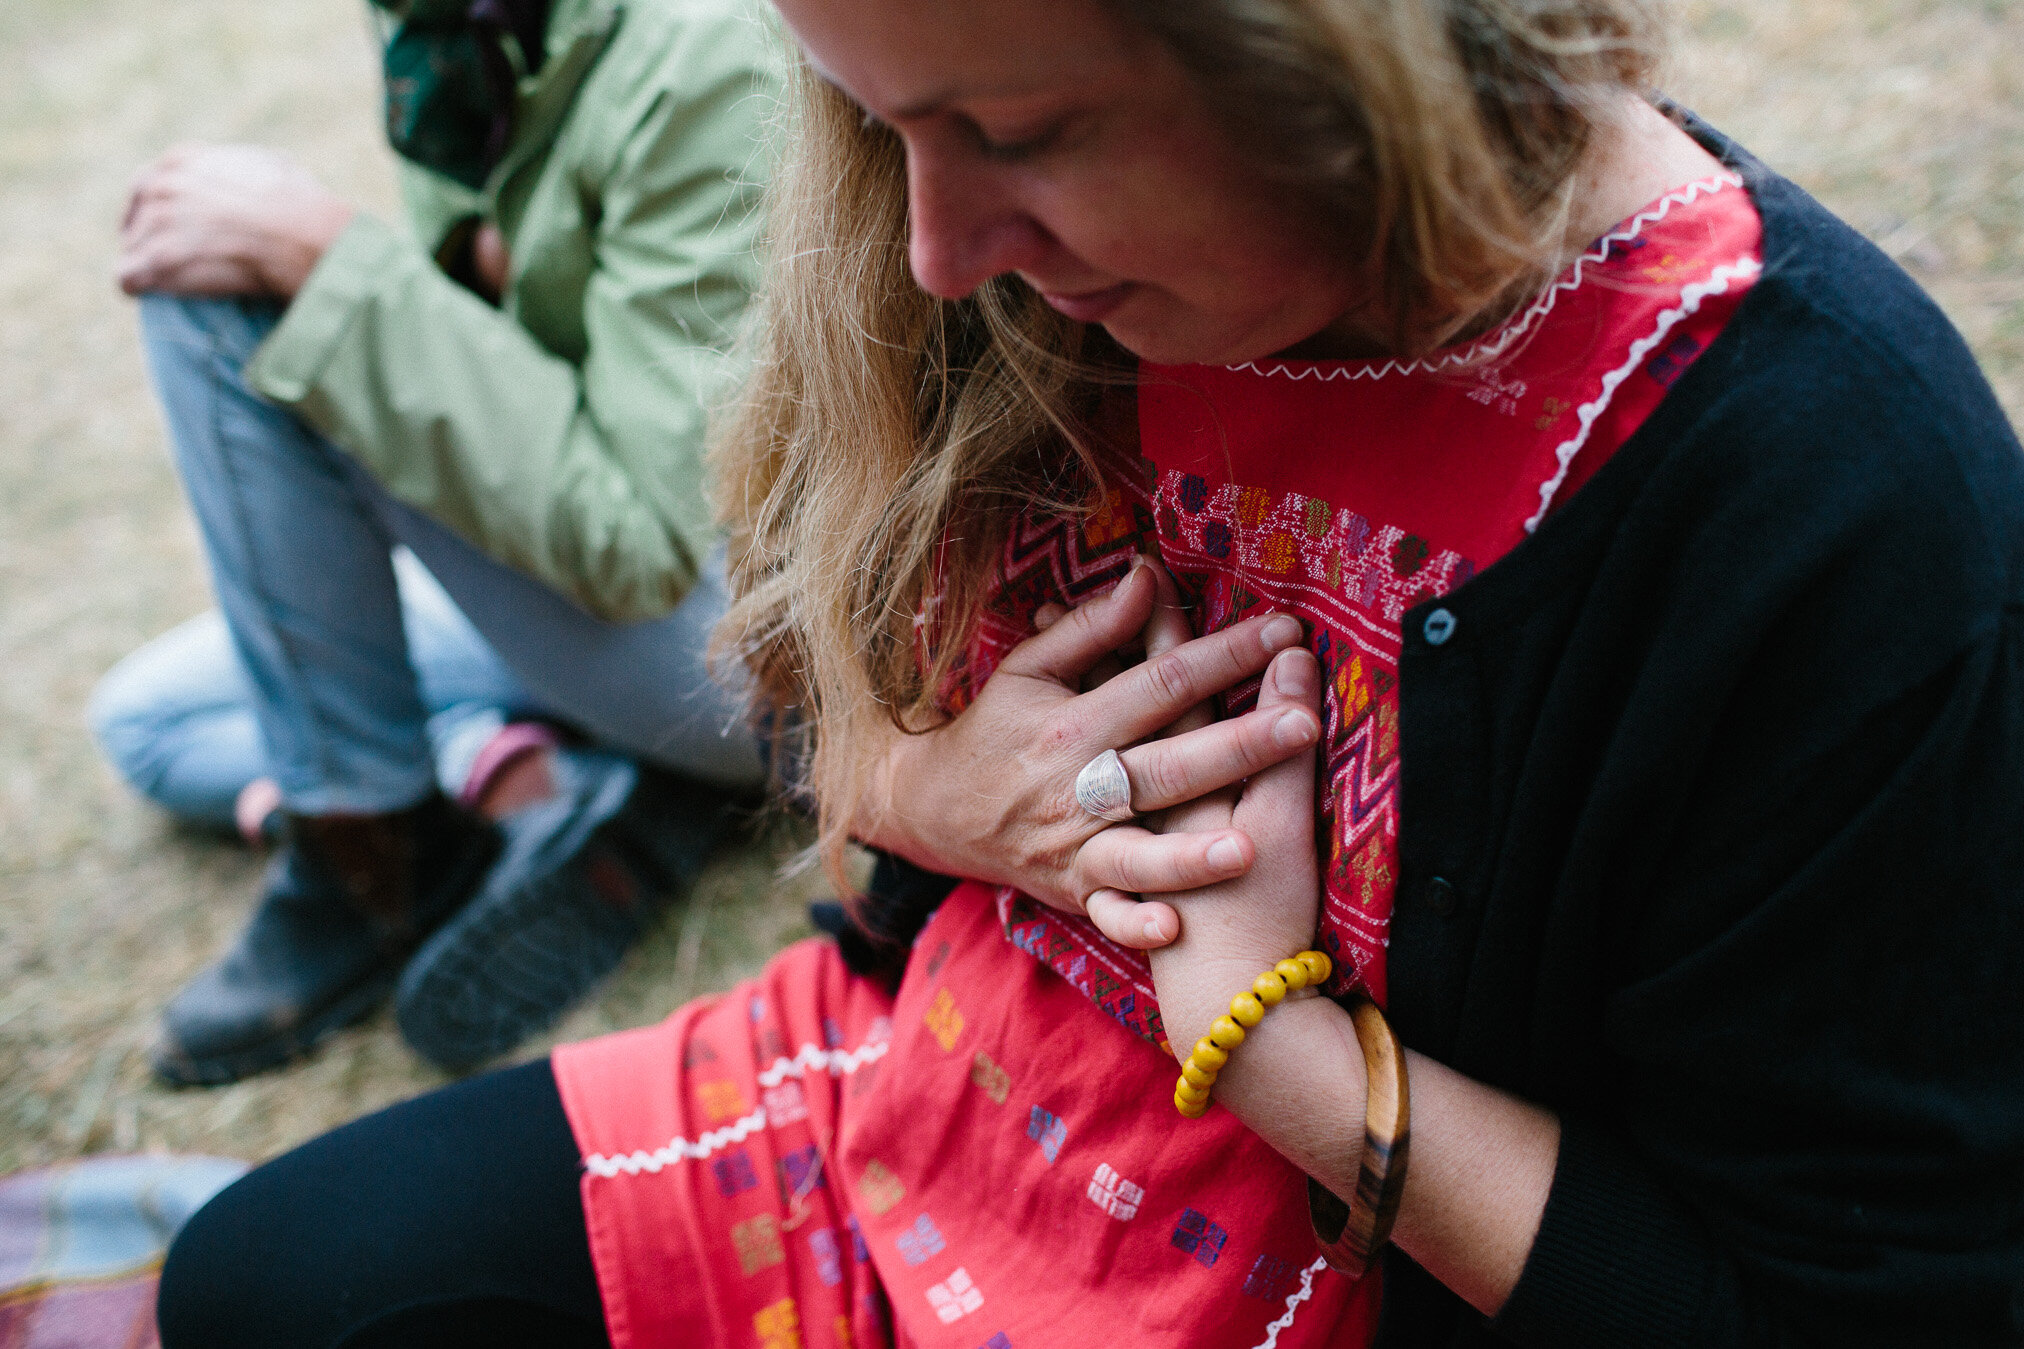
341, 674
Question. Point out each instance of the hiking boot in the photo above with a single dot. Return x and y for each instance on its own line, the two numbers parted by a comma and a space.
347, 900
583, 876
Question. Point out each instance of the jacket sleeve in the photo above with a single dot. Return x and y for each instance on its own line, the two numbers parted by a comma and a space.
588, 476
1813, 1127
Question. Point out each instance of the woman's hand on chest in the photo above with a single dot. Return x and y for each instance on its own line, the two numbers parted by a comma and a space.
991, 795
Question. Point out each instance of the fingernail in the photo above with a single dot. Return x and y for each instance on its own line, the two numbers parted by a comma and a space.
1153, 932
1225, 855
1279, 632
1291, 676
1293, 730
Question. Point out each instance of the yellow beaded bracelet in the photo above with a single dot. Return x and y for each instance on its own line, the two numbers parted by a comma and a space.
1247, 1009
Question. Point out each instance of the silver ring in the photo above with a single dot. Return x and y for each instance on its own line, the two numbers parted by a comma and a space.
1103, 789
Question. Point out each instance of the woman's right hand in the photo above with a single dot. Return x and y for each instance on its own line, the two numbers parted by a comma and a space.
991, 795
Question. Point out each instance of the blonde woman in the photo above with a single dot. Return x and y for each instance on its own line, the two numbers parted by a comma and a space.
1362, 475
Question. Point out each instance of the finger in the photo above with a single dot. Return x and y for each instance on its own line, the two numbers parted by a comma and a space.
1178, 768
1169, 626
1142, 862
1087, 634
1278, 803
1047, 615
1101, 673
1142, 926
1152, 696
1168, 629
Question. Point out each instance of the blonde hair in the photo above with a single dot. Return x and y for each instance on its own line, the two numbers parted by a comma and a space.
885, 437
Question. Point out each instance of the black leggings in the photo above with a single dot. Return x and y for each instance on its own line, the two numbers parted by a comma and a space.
447, 1221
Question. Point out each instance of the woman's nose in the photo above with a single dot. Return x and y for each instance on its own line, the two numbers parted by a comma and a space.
964, 228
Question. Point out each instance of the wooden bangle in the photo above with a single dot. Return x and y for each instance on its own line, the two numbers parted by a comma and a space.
1351, 1235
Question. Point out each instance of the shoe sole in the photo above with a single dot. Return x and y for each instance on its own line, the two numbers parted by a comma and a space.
520, 955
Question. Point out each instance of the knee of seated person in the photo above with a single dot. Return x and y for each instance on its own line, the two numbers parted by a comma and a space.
206, 325
126, 721
118, 721
210, 1285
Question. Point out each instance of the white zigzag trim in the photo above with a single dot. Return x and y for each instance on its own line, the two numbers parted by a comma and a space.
836, 1062
1293, 1301
677, 1149
1489, 348
1690, 301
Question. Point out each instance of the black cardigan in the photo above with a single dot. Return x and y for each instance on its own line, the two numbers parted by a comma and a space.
1712, 841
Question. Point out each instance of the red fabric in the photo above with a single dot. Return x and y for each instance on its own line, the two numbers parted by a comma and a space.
1010, 1164
1349, 492
1012, 1174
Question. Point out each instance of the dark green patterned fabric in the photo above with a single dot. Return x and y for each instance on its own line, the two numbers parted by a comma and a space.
451, 68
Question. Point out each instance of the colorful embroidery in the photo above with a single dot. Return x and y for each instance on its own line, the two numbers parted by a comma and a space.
954, 1298
785, 1104
1195, 1234
989, 1078
1270, 1278
1114, 1194
1047, 1130
778, 1326
858, 1250
999, 1341
880, 1189
917, 1244
943, 1019
721, 1100
828, 1258
734, 1174
757, 1241
800, 1174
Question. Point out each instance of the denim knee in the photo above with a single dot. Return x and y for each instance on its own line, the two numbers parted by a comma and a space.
207, 328
122, 715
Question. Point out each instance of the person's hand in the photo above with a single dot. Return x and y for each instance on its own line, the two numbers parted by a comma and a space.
991, 795
226, 220
1233, 930
490, 262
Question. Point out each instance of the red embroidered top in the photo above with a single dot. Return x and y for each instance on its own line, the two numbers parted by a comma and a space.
1349, 492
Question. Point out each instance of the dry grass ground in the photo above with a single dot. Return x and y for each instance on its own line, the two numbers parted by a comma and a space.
1907, 116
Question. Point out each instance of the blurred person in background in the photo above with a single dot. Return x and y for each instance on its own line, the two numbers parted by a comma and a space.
449, 483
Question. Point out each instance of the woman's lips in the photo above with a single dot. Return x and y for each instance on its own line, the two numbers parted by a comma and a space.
1091, 306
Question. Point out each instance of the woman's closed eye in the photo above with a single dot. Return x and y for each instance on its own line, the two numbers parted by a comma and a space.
1015, 145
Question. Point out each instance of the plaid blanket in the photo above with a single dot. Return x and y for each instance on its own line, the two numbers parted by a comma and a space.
81, 1246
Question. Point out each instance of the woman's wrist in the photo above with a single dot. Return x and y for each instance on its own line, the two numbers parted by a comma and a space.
1298, 1081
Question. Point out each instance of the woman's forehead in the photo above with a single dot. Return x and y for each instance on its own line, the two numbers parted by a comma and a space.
905, 57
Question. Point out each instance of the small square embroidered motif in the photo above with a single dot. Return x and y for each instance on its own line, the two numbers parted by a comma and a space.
733, 1173
779, 1325
757, 1241
1270, 1278
1195, 1234
955, 1297
828, 1258
944, 1019
1114, 1194
1046, 1129
920, 1241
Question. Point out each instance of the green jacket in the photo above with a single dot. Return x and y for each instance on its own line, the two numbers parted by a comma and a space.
562, 432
